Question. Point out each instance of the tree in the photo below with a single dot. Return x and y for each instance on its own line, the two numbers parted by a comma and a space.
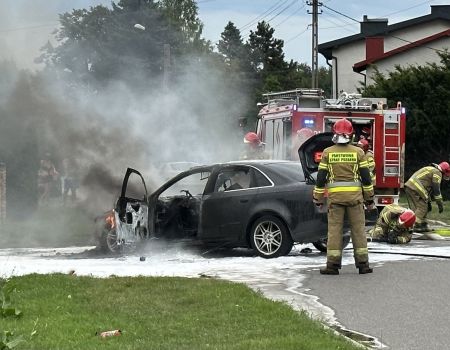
99, 45
266, 52
423, 90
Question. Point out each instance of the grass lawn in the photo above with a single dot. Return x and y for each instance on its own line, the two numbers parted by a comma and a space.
65, 312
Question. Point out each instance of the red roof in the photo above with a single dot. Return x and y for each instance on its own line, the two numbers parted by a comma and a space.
361, 66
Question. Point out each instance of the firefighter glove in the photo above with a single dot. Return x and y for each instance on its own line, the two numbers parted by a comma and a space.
440, 207
317, 203
370, 204
429, 206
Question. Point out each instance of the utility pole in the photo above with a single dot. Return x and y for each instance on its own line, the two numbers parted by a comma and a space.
315, 42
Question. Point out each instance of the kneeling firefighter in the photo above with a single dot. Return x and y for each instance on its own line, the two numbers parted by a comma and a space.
394, 225
342, 169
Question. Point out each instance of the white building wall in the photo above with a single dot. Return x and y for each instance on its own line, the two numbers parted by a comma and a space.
418, 56
349, 54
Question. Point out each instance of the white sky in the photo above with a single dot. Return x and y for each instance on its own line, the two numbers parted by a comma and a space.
26, 25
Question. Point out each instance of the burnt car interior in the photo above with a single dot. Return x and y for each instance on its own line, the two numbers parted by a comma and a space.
311, 151
178, 207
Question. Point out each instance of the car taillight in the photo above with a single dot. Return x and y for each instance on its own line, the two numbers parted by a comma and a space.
317, 157
385, 200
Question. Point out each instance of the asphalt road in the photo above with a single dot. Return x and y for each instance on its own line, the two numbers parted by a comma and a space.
404, 304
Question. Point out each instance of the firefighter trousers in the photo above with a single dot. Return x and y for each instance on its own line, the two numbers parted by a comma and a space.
417, 204
356, 218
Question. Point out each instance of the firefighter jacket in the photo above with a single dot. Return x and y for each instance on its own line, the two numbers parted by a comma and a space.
427, 183
371, 164
388, 228
344, 174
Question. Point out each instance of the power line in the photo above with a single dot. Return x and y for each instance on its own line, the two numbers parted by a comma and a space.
340, 13
266, 13
296, 36
408, 8
387, 34
284, 9
292, 14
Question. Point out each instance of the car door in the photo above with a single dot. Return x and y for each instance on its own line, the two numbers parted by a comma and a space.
224, 209
132, 208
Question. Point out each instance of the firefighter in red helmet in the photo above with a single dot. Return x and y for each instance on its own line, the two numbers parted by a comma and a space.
364, 145
344, 174
394, 225
254, 148
423, 187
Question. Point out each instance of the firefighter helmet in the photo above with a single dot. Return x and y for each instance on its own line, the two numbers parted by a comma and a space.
364, 144
252, 138
407, 218
444, 167
343, 131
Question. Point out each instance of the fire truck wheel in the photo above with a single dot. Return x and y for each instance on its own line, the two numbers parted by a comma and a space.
322, 244
270, 237
108, 241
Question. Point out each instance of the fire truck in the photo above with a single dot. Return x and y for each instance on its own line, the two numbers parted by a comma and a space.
288, 117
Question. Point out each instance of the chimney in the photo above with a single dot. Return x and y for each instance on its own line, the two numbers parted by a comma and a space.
373, 31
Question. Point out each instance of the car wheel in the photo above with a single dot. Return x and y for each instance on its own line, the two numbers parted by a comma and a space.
270, 237
108, 241
322, 244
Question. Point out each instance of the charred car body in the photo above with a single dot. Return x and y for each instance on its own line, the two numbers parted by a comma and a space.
265, 205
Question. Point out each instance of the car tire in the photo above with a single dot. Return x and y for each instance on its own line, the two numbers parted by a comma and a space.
108, 241
270, 237
322, 244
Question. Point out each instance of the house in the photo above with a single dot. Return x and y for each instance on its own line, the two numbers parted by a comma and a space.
413, 42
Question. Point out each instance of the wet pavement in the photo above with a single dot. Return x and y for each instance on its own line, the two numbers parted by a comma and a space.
401, 301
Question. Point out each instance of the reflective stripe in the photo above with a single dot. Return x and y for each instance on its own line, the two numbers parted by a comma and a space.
323, 166
343, 184
319, 190
420, 187
334, 253
438, 198
361, 251
364, 164
344, 189
368, 188
436, 176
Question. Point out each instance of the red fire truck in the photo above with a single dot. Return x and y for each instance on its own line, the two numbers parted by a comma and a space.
288, 116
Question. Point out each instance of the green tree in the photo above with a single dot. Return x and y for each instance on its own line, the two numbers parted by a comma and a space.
423, 90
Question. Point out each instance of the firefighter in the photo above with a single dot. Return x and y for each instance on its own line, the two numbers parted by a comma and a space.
341, 171
393, 225
364, 145
422, 188
254, 148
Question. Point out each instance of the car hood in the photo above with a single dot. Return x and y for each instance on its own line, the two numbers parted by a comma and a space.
311, 150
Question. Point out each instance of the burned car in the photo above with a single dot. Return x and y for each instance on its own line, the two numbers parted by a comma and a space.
265, 205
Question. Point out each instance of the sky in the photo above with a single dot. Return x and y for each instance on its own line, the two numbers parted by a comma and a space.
26, 25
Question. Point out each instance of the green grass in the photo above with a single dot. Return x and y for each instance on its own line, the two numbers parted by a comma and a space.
65, 312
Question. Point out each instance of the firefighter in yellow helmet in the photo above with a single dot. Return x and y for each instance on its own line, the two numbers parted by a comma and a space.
345, 175
364, 145
254, 148
422, 188
393, 225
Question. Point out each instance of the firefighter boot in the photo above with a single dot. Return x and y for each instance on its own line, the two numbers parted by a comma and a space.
330, 269
364, 268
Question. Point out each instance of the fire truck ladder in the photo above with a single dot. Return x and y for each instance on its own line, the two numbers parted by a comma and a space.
294, 95
391, 153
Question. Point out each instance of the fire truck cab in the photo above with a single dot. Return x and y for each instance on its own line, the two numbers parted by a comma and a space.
288, 118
